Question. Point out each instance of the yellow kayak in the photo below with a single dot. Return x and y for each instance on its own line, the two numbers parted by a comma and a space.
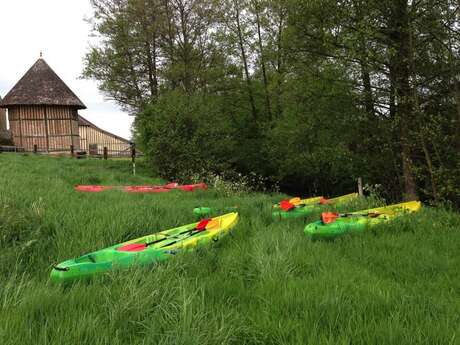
145, 250
293, 208
298, 201
339, 199
335, 224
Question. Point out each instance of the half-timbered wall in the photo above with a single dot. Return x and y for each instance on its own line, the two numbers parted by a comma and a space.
51, 128
91, 136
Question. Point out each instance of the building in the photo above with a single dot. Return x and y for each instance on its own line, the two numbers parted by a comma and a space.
5, 136
43, 116
3, 126
93, 140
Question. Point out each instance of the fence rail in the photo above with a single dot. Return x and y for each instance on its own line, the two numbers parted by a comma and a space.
6, 148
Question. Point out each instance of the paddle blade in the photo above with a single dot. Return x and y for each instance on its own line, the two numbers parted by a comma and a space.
133, 247
324, 201
295, 201
285, 205
201, 226
329, 217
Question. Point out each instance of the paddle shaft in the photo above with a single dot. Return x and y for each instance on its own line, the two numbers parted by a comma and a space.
168, 237
360, 214
192, 233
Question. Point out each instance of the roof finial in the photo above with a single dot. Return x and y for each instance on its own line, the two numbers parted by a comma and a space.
41, 54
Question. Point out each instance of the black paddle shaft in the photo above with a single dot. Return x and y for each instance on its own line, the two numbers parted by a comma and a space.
191, 234
168, 237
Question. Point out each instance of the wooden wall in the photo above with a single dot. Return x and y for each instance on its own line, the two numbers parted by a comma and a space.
92, 135
51, 128
2, 120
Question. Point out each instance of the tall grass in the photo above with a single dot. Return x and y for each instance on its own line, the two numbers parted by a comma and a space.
264, 284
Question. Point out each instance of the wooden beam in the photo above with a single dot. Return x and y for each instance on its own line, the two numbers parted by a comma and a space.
46, 130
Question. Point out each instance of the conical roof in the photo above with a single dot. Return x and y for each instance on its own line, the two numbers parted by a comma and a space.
41, 86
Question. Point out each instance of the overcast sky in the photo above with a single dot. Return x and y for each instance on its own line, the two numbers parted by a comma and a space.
57, 28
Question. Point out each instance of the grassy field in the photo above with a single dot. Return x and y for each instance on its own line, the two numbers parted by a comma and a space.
265, 284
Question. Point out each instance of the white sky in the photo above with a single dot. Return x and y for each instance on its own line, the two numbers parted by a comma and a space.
57, 28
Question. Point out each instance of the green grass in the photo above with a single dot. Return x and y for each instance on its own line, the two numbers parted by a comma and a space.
265, 284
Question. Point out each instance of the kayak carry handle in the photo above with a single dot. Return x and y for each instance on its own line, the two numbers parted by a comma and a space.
62, 269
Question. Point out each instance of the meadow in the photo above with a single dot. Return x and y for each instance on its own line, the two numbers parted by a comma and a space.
267, 283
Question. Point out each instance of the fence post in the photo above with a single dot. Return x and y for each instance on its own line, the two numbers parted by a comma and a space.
133, 157
360, 187
72, 152
106, 153
35, 148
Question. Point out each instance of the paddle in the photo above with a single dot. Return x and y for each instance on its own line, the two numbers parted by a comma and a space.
285, 205
201, 226
331, 217
205, 224
324, 201
295, 201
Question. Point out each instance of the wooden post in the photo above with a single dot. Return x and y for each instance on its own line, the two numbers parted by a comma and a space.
133, 157
360, 187
106, 153
35, 148
72, 152
47, 131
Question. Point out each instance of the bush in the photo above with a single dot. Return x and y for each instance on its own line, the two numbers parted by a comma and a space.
183, 134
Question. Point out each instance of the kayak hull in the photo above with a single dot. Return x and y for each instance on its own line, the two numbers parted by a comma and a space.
143, 189
313, 204
161, 246
350, 224
301, 202
298, 212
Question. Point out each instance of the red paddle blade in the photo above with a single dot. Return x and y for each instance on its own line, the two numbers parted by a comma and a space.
324, 201
133, 247
285, 205
201, 226
329, 217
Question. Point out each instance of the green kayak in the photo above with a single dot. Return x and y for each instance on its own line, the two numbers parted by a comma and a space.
287, 209
333, 225
203, 211
145, 250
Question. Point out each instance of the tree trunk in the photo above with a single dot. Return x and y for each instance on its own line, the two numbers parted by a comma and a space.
405, 112
456, 91
169, 37
245, 61
186, 45
368, 97
151, 68
262, 60
279, 63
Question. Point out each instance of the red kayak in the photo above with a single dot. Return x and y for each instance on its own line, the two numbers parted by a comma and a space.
146, 189
143, 189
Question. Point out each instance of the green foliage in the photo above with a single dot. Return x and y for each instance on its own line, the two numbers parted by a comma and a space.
183, 135
310, 94
266, 283
310, 151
